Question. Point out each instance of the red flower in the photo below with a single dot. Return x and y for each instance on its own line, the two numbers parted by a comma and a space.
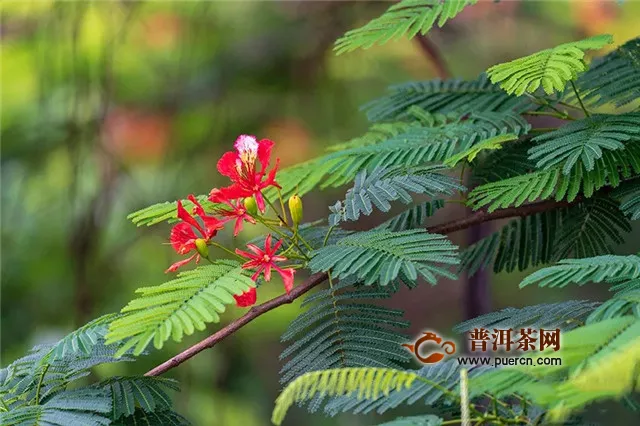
241, 168
238, 211
264, 260
183, 237
248, 298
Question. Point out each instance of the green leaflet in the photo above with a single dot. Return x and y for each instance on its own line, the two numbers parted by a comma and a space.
549, 68
381, 256
178, 307
407, 18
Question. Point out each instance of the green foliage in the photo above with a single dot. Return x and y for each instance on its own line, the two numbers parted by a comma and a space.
584, 140
552, 183
178, 307
581, 271
625, 302
428, 420
84, 407
564, 315
549, 68
439, 385
629, 195
614, 78
381, 256
589, 228
407, 18
166, 211
598, 361
413, 217
417, 146
141, 417
382, 186
366, 383
470, 154
128, 394
443, 96
83, 340
342, 327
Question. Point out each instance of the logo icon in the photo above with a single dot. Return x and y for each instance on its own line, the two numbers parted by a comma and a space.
448, 346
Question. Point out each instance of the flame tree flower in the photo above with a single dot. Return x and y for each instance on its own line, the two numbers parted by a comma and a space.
242, 168
238, 211
183, 236
264, 260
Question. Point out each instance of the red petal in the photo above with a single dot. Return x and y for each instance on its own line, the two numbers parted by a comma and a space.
227, 165
287, 277
212, 225
186, 217
197, 209
247, 298
254, 248
183, 238
247, 255
259, 201
238, 227
267, 272
264, 152
179, 263
233, 192
267, 244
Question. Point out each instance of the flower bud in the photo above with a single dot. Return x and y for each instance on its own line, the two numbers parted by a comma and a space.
295, 208
251, 206
201, 246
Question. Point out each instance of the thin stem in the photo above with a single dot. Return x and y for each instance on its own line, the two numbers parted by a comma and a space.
575, 89
326, 237
544, 129
4, 407
40, 381
282, 205
286, 225
545, 113
220, 246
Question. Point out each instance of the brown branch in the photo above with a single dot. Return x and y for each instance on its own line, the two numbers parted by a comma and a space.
234, 326
316, 279
434, 56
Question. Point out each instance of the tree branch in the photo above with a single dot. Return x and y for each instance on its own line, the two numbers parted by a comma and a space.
316, 279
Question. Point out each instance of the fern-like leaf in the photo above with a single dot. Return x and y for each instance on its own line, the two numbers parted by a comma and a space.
565, 315
178, 307
609, 346
552, 183
614, 78
443, 96
131, 393
440, 383
366, 383
79, 407
380, 256
382, 186
470, 154
141, 417
341, 327
581, 271
82, 340
405, 19
629, 195
549, 68
626, 302
584, 140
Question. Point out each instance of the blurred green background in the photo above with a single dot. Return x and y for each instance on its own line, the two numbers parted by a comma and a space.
109, 106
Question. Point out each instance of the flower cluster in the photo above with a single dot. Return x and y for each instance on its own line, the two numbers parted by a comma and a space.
247, 168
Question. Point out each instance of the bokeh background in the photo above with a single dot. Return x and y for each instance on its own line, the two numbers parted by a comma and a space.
109, 106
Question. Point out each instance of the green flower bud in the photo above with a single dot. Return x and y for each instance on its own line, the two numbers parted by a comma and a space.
251, 206
295, 208
201, 246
